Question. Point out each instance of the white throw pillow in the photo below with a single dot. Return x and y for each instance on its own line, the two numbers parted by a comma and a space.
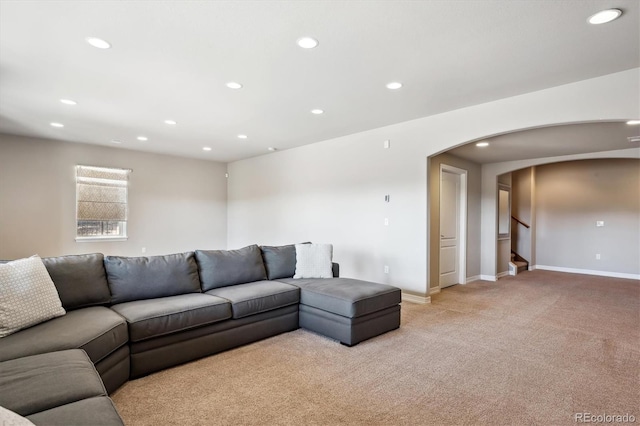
9, 418
314, 261
27, 295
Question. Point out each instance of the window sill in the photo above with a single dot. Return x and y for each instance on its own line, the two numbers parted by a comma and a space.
96, 239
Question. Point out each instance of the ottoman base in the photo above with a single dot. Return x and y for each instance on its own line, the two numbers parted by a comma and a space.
349, 331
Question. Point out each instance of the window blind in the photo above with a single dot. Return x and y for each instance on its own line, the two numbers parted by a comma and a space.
101, 193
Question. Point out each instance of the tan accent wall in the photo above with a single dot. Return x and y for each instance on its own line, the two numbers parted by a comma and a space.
571, 197
522, 208
175, 204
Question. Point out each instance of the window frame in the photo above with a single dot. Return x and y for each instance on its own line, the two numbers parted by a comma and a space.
124, 236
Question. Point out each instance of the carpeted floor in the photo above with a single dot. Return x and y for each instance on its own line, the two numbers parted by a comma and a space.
531, 349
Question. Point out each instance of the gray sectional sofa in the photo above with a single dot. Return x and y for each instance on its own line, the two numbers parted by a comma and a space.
133, 316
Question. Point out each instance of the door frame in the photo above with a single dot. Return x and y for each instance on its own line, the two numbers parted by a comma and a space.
462, 219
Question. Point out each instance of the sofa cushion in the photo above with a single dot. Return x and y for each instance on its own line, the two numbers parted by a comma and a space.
96, 411
97, 330
280, 261
166, 315
314, 261
138, 278
27, 295
344, 296
81, 280
221, 268
41, 382
254, 298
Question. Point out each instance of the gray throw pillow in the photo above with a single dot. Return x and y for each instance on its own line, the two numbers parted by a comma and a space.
221, 268
27, 295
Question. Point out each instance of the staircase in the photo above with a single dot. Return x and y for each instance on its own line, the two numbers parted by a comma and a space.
521, 263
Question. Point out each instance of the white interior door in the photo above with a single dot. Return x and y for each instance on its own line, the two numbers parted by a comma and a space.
449, 228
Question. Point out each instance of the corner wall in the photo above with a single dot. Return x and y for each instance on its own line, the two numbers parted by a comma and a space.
175, 204
333, 191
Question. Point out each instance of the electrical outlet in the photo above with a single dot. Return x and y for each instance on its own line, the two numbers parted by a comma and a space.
386, 221
144, 250
387, 144
386, 269
599, 223
597, 256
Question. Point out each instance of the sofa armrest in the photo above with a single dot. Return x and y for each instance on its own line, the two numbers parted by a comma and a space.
335, 268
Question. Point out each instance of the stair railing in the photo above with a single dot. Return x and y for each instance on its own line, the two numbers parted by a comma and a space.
520, 222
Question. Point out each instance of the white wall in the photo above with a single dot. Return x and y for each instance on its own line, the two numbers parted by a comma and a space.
175, 204
333, 191
571, 197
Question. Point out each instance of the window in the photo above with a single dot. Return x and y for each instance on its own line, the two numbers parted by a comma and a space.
101, 203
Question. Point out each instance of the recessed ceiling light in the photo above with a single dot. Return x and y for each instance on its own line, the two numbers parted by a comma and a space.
68, 102
206, 148
56, 124
98, 42
115, 141
604, 16
170, 122
142, 138
633, 122
272, 148
394, 85
242, 136
317, 111
234, 85
482, 144
307, 42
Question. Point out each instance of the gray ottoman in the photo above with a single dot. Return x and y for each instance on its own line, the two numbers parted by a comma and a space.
56, 388
347, 310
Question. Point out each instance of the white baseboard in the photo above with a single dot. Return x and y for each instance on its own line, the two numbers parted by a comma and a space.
488, 278
434, 290
588, 272
416, 299
472, 279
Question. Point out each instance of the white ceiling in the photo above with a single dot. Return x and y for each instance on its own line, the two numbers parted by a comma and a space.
172, 59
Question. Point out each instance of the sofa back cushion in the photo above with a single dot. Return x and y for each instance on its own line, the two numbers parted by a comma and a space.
280, 261
81, 280
221, 268
138, 278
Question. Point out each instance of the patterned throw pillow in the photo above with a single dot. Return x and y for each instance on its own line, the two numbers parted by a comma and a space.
27, 295
9, 418
314, 261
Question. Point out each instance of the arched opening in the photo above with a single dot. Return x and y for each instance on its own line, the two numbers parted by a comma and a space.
512, 156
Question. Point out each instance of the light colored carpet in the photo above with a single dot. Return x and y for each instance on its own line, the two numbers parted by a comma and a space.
531, 349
